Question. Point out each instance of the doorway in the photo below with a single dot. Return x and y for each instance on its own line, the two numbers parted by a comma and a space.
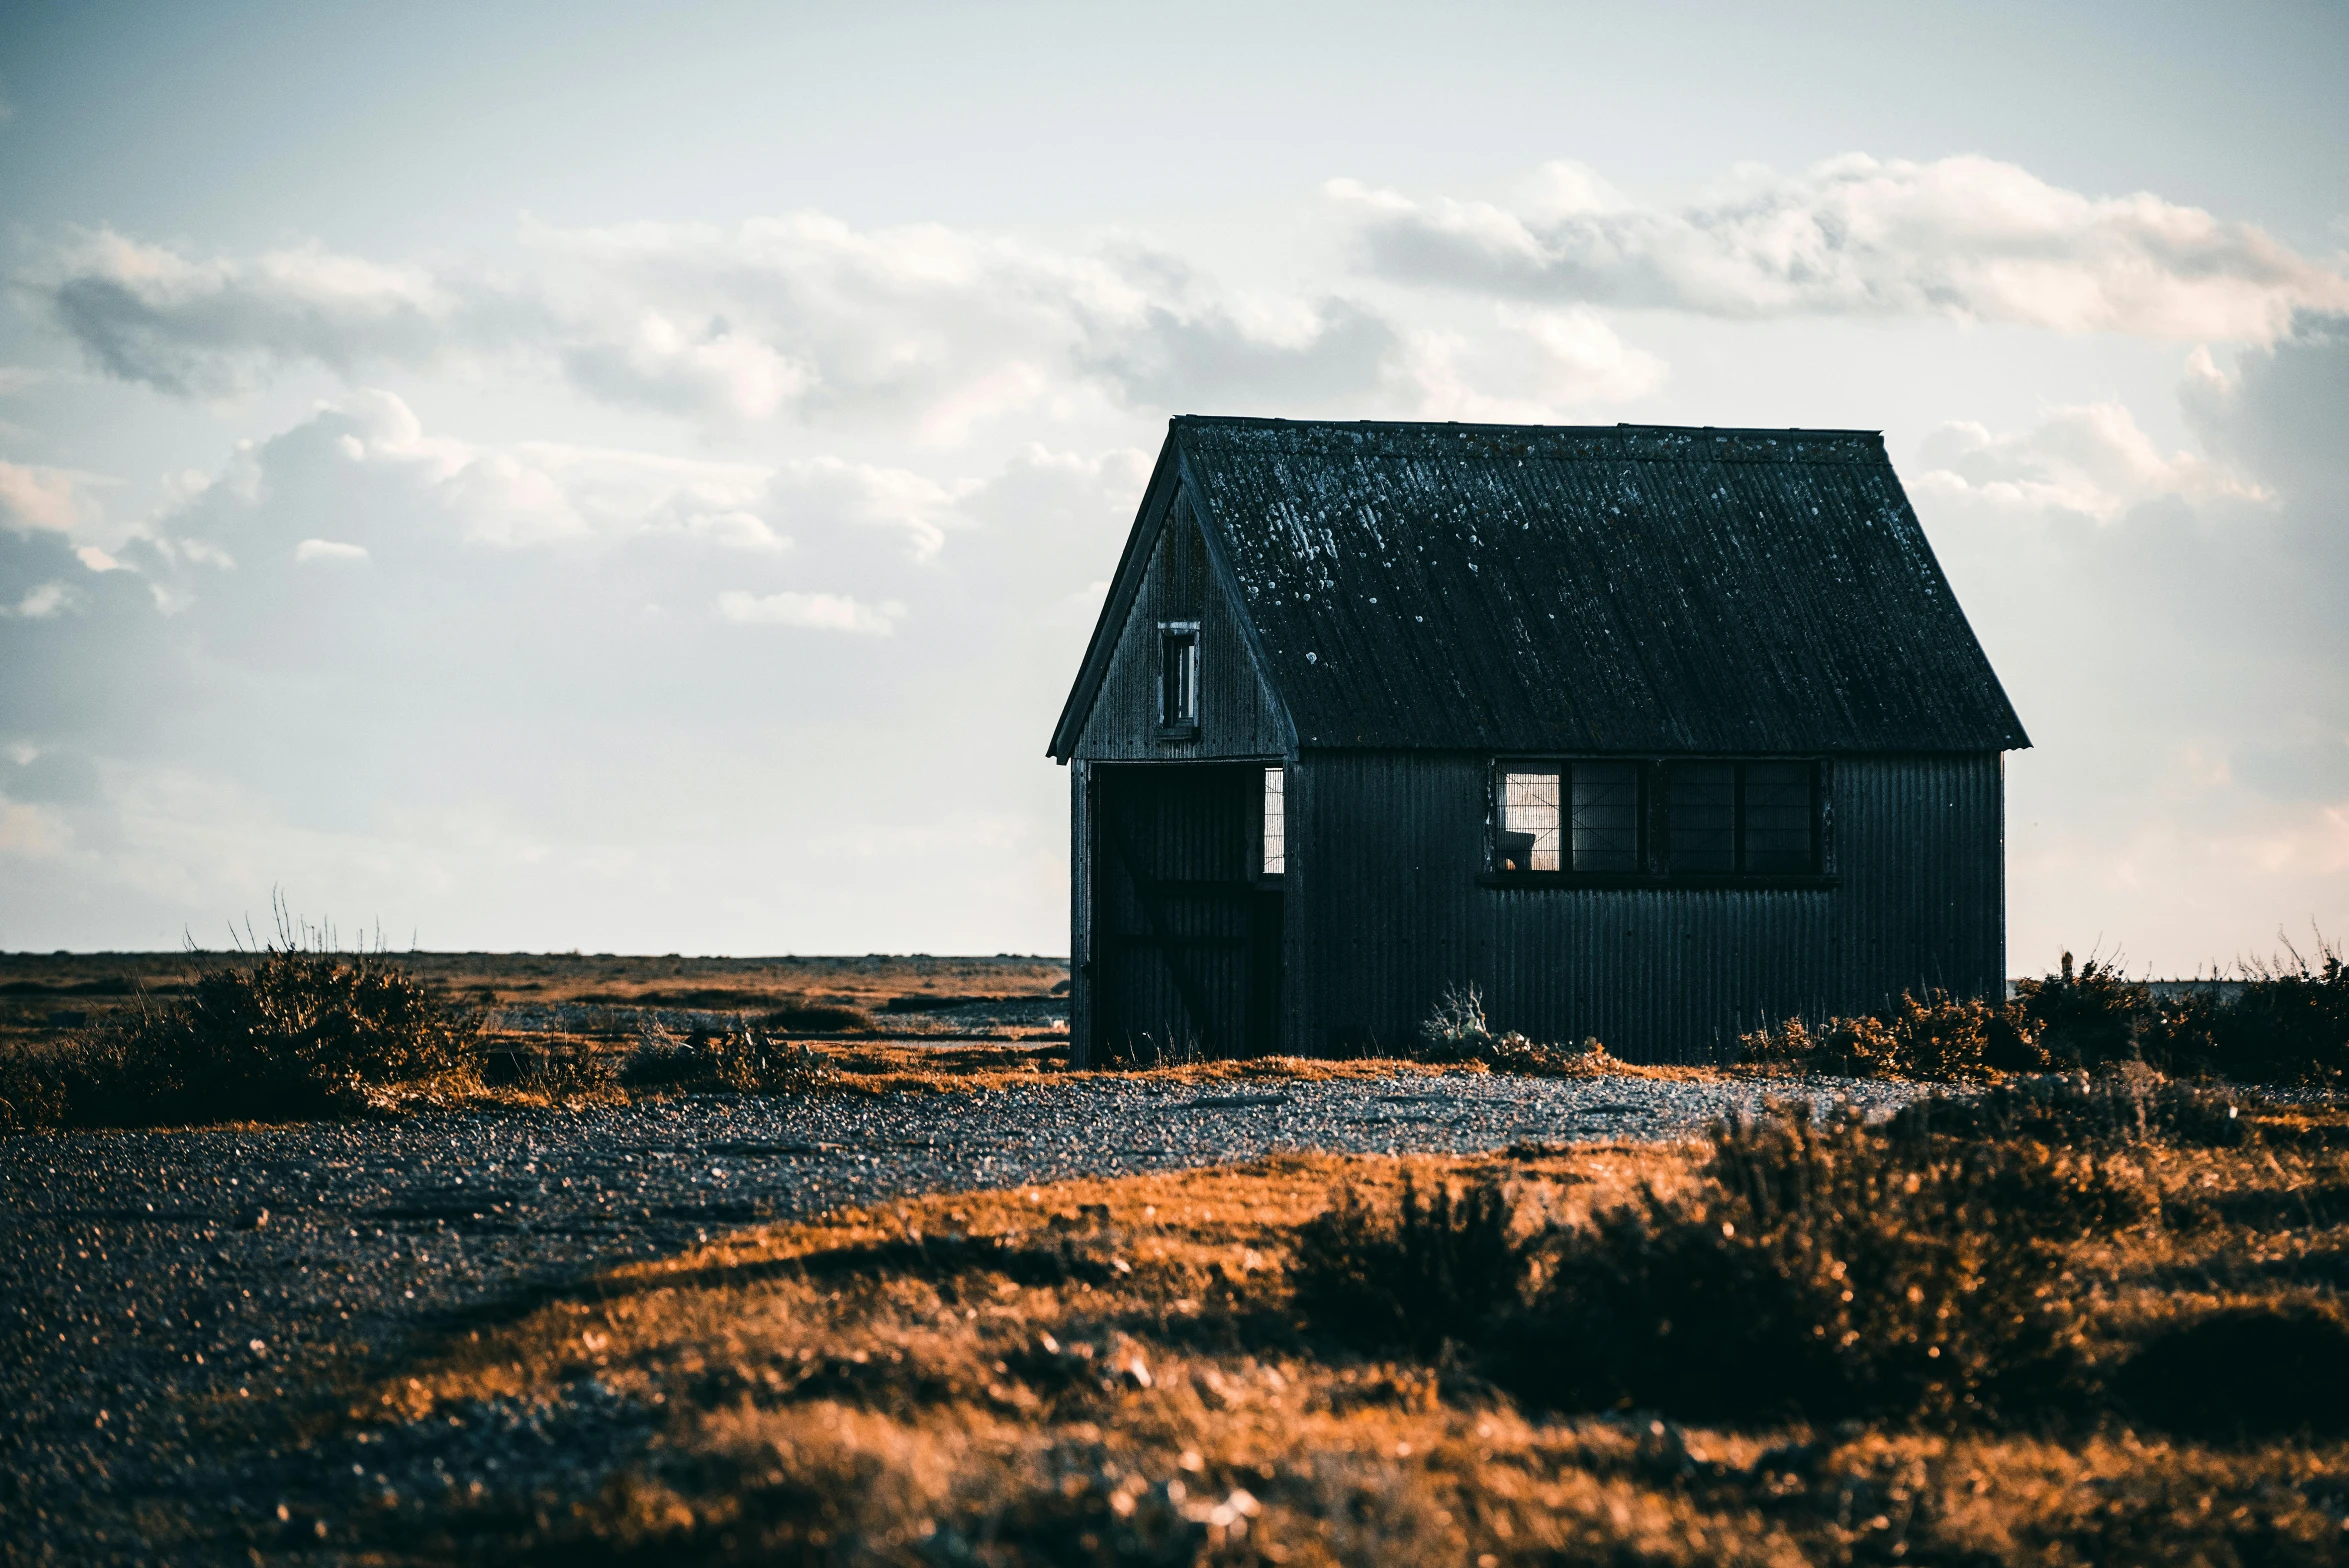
1187, 934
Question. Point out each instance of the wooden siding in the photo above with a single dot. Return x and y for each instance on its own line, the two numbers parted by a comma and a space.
1237, 717
1385, 910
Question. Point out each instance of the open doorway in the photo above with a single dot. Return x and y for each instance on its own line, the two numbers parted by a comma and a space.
1187, 935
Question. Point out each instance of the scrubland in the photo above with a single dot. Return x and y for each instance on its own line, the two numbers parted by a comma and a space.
1941, 1339
2082, 1304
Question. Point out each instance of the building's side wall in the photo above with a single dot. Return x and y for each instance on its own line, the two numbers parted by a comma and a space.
1237, 717
1385, 911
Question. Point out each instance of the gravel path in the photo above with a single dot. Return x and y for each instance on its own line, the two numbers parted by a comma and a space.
158, 1279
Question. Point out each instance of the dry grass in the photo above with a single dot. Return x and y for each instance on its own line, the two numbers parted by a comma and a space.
1121, 1371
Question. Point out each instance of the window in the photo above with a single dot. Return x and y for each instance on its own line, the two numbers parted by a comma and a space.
1742, 818
1580, 816
1606, 815
1529, 822
1276, 822
1775, 816
1178, 675
1700, 805
1659, 821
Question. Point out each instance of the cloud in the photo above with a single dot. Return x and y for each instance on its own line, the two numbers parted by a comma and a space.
793, 317
1532, 365
830, 612
40, 498
146, 313
490, 724
2168, 623
40, 602
2091, 459
1963, 237
2283, 410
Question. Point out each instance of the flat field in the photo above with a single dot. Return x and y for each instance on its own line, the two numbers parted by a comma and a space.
600, 997
939, 1299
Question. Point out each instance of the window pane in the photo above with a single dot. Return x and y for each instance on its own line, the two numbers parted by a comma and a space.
1606, 816
1529, 822
1178, 676
1702, 802
1276, 822
1778, 817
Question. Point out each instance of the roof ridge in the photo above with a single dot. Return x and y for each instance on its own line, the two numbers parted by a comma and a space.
1416, 426
1620, 442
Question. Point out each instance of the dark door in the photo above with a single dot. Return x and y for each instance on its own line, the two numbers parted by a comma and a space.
1188, 935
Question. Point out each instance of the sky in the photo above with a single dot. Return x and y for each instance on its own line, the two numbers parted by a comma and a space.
640, 479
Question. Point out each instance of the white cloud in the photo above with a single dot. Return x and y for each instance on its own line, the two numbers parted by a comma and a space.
798, 316
147, 313
332, 551
2092, 459
1965, 237
831, 612
32, 497
41, 602
1533, 365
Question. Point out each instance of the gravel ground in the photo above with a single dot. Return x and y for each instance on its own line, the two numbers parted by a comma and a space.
166, 1284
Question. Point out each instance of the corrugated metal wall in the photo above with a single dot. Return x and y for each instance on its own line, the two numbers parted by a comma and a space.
1385, 910
1237, 717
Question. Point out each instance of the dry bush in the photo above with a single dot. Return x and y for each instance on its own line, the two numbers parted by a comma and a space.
552, 1072
1455, 1033
288, 1031
1937, 1037
820, 1018
2133, 1105
1821, 1271
2084, 1018
2287, 1019
1829, 1273
1439, 1266
739, 1061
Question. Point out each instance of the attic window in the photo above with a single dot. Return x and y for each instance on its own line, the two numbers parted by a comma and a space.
1178, 676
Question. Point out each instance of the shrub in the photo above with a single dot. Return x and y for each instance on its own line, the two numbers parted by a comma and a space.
1827, 1273
2286, 1020
2252, 1370
1456, 1032
2084, 1019
2289, 1020
1939, 1037
290, 1031
1437, 1267
2103, 1111
1822, 1270
738, 1061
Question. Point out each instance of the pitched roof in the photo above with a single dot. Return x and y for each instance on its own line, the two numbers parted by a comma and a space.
1605, 589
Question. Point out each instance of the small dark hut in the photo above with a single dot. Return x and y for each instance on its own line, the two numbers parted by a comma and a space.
1651, 734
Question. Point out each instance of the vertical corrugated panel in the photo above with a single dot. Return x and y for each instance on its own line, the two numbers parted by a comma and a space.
1385, 911
1082, 994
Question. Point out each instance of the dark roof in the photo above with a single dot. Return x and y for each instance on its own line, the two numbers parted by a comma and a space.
1620, 588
